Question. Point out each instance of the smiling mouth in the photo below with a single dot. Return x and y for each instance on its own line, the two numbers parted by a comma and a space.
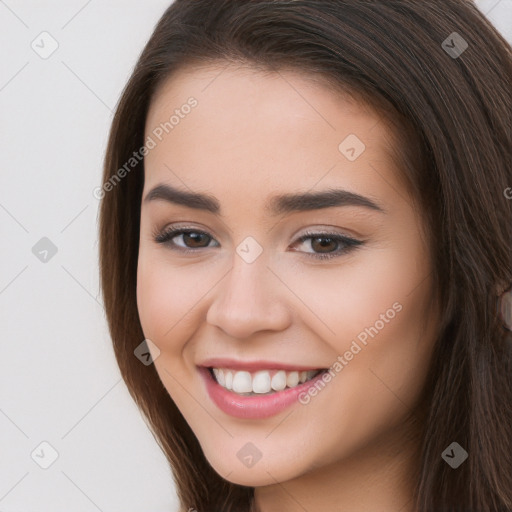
262, 382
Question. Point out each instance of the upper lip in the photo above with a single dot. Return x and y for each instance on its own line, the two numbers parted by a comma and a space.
222, 362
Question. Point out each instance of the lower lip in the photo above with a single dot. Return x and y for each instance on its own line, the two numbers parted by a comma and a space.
253, 407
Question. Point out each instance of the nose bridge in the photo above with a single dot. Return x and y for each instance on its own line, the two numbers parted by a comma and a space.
247, 300
248, 278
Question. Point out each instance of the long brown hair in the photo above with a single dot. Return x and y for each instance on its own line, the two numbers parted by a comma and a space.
451, 97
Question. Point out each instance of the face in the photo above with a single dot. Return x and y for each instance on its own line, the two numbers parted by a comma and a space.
266, 285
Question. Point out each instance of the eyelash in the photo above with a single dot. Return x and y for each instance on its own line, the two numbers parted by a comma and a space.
166, 236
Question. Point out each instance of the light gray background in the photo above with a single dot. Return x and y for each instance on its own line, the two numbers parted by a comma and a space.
59, 381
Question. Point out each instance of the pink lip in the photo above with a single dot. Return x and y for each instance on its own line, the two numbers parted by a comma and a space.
251, 366
252, 407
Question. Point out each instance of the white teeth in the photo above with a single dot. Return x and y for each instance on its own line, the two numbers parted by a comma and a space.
292, 379
242, 382
279, 381
229, 380
219, 375
260, 382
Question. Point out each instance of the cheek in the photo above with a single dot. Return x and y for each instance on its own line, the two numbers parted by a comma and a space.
375, 309
165, 301
169, 299
161, 299
352, 297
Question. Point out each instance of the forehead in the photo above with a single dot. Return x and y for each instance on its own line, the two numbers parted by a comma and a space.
287, 92
264, 130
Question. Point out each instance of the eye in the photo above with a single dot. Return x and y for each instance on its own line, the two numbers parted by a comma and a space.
323, 241
193, 239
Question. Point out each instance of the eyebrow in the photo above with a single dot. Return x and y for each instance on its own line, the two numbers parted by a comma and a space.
277, 205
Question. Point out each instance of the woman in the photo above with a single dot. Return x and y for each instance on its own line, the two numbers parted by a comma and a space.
305, 228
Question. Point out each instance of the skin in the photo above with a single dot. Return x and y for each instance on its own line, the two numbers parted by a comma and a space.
254, 135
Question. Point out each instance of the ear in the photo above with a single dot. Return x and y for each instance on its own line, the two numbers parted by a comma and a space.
505, 308
502, 287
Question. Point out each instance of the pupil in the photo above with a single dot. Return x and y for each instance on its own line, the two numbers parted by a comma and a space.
324, 242
195, 237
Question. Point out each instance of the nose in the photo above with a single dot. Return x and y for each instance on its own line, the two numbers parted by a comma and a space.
249, 299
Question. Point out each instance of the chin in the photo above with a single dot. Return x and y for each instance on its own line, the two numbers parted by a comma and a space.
262, 473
